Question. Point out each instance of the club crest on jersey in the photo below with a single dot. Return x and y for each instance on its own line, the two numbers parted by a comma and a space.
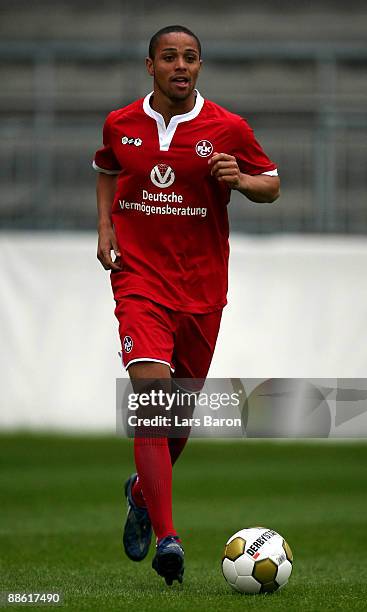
204, 148
137, 142
128, 344
162, 176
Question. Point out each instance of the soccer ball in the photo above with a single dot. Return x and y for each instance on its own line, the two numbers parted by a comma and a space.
257, 560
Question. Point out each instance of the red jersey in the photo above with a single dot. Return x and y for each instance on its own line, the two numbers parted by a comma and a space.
169, 213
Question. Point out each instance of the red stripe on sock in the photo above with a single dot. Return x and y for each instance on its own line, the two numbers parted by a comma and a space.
137, 494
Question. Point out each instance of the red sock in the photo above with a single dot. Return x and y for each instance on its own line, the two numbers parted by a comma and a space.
176, 446
153, 464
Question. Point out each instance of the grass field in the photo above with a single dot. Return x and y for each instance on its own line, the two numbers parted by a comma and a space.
62, 511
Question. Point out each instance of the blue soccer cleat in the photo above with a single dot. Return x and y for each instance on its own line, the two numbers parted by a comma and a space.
138, 528
169, 559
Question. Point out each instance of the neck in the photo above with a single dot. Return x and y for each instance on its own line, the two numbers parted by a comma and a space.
168, 108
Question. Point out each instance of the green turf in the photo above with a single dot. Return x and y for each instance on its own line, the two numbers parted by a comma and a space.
62, 511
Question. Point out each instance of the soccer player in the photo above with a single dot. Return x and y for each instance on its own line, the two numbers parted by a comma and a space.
166, 170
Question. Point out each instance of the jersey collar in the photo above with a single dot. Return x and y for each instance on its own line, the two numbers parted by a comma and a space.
166, 133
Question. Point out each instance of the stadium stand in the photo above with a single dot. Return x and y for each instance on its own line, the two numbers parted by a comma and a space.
295, 70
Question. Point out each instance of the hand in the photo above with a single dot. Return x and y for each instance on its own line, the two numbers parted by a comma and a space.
225, 168
106, 243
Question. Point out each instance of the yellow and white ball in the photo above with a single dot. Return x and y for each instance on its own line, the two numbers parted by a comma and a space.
257, 560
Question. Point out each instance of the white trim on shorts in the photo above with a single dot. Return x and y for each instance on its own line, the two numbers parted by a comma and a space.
149, 359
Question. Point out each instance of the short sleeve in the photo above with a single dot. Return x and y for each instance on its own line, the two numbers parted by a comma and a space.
105, 160
250, 156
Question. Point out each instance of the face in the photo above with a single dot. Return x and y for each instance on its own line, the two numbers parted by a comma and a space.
176, 65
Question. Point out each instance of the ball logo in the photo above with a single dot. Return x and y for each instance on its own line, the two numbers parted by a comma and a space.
128, 344
204, 148
162, 176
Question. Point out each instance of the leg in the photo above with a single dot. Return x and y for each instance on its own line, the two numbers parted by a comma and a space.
177, 443
153, 463
151, 370
152, 457
195, 343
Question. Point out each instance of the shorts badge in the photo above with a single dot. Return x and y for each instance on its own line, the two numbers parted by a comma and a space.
128, 344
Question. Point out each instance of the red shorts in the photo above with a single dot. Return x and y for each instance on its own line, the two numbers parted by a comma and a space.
151, 332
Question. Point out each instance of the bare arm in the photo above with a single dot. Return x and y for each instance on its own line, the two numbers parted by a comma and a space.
106, 188
259, 188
